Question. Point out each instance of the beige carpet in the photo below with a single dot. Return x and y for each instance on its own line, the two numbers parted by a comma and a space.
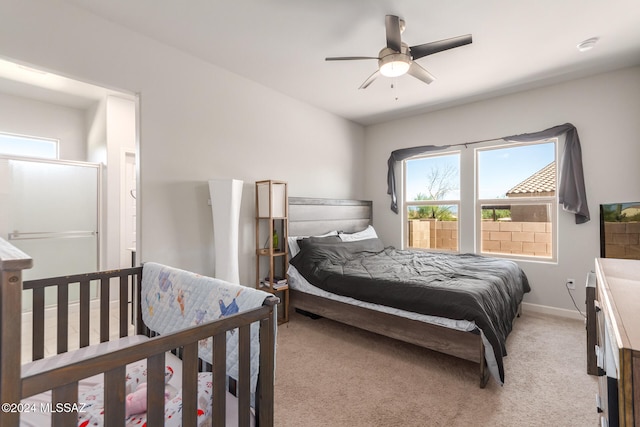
329, 374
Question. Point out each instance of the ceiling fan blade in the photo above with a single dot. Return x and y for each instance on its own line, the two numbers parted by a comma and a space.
434, 47
420, 73
349, 58
392, 24
369, 80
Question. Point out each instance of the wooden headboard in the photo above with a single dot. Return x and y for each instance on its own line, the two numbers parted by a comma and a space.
310, 217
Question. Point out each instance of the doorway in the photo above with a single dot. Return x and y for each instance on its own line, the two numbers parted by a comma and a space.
93, 126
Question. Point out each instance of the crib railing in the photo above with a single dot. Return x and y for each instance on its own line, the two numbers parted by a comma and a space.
61, 373
56, 373
12, 262
124, 281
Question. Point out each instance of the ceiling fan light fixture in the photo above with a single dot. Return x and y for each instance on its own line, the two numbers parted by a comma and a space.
397, 58
394, 65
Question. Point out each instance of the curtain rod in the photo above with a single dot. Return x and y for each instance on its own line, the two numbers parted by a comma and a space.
571, 191
475, 142
506, 139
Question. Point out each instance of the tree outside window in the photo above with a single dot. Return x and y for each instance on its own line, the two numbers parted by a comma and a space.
513, 203
432, 189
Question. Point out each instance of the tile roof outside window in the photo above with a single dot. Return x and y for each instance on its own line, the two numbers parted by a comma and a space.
541, 183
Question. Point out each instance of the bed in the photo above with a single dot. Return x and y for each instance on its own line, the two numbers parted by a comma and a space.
203, 348
319, 287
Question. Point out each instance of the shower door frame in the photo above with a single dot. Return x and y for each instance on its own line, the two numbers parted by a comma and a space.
72, 233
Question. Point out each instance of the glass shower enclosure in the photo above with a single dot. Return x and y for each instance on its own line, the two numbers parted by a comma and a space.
51, 211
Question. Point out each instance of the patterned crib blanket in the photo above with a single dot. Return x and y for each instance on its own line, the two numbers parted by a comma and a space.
173, 299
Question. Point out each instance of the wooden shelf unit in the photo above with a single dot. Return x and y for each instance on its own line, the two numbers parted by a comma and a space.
272, 214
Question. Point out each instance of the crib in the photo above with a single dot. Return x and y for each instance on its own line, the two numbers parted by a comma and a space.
61, 373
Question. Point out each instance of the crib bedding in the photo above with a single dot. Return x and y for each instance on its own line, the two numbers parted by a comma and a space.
487, 291
90, 399
175, 299
171, 300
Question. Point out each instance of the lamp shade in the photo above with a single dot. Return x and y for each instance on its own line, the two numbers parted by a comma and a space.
272, 199
226, 195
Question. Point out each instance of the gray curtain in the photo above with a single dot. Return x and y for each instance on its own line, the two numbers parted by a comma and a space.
571, 191
398, 155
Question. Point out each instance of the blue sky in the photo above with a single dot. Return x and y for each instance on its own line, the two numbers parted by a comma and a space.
500, 169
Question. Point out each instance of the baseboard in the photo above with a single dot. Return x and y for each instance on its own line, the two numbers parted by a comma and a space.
553, 311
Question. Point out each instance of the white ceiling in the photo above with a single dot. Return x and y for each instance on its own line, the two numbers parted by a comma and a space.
24, 81
282, 44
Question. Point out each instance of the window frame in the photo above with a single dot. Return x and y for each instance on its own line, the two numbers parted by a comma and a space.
540, 200
408, 203
469, 205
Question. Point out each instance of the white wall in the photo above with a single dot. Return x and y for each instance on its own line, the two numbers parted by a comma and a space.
605, 109
96, 123
197, 122
29, 117
121, 137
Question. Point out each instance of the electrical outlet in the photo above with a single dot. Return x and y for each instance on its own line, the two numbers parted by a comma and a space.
571, 284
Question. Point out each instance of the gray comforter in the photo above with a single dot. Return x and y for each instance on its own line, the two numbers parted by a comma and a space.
485, 290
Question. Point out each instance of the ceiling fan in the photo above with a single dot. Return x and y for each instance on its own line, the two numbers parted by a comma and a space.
398, 58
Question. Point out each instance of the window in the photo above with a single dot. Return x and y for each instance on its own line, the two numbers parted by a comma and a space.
497, 200
28, 146
432, 201
516, 200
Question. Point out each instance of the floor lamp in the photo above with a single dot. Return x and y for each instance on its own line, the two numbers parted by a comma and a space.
226, 195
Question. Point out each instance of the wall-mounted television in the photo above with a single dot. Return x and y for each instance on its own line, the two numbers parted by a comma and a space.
620, 230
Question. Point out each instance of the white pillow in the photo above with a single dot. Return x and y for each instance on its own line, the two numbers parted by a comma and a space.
293, 242
367, 233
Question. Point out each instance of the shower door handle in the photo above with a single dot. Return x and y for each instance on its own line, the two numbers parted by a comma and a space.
17, 235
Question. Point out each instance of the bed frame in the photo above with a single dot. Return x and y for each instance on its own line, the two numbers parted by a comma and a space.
310, 216
61, 373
